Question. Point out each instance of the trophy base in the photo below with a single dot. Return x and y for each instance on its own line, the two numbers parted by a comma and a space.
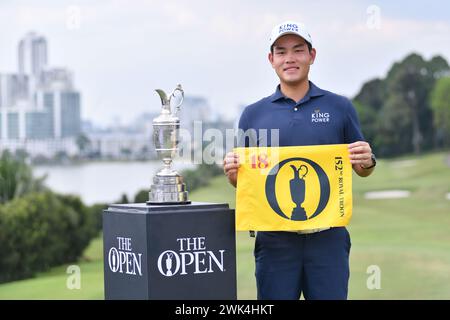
167, 203
168, 190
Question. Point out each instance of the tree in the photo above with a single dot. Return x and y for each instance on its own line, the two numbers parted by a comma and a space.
367, 118
142, 196
410, 81
440, 104
124, 198
393, 128
401, 102
439, 67
372, 94
83, 143
16, 178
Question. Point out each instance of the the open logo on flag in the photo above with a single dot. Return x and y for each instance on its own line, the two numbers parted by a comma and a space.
293, 188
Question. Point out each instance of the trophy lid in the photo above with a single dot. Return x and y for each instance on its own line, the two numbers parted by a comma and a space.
166, 118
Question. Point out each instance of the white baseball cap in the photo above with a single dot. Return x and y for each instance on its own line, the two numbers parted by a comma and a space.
289, 27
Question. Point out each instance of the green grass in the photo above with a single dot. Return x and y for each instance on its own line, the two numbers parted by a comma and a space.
408, 239
52, 284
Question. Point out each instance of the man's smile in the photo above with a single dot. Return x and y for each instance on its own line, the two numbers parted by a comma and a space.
293, 68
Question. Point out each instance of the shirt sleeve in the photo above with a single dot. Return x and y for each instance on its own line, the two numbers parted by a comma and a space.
242, 140
352, 129
247, 135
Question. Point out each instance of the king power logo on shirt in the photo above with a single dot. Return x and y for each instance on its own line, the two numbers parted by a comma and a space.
318, 116
293, 188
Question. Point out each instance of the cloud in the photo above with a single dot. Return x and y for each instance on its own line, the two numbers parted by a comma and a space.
122, 51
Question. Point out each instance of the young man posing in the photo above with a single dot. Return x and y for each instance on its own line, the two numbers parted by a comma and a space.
312, 262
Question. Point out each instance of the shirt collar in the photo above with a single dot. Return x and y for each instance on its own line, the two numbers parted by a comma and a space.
313, 91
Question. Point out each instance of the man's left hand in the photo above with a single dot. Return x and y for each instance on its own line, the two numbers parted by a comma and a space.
360, 154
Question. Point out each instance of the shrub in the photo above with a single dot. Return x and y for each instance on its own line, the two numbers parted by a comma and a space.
16, 178
42, 230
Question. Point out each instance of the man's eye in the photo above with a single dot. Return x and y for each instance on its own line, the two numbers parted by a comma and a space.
280, 52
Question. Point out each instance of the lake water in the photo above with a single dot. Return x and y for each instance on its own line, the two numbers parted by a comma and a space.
103, 182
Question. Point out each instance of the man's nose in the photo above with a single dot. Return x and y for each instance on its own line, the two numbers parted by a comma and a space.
289, 57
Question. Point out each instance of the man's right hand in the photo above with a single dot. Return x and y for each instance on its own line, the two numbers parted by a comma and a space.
230, 167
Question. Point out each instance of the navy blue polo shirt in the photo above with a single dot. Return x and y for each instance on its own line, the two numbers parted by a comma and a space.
321, 117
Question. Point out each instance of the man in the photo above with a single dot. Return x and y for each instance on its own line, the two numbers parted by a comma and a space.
312, 262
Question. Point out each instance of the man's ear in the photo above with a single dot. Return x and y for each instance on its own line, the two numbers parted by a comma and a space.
313, 56
270, 57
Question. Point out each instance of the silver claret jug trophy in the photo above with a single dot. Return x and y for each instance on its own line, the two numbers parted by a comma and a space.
168, 186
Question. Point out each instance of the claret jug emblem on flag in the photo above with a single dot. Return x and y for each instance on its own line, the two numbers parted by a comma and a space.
297, 188
287, 181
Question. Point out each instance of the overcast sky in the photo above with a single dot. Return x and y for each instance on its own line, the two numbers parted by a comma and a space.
121, 50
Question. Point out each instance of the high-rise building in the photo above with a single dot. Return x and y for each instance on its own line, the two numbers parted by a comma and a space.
70, 119
13, 87
55, 79
32, 54
57, 115
39, 106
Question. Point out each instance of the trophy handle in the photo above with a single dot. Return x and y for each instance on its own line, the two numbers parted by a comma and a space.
163, 96
178, 88
301, 167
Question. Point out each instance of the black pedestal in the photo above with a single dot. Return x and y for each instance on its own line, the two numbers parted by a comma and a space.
174, 252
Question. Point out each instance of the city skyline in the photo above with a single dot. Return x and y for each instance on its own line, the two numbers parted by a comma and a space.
121, 53
39, 105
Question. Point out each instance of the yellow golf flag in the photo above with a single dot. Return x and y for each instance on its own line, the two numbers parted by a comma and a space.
293, 188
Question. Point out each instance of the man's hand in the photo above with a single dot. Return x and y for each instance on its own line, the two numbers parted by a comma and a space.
230, 167
361, 157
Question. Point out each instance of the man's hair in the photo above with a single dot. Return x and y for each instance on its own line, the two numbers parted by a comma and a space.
307, 43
